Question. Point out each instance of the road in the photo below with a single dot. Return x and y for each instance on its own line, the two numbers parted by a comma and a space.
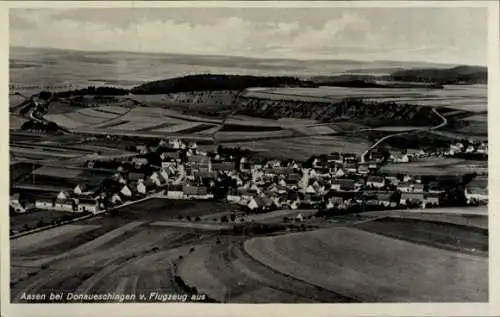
374, 145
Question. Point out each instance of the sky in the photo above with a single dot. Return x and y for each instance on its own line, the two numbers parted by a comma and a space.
443, 35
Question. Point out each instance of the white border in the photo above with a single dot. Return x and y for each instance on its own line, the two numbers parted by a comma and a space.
222, 310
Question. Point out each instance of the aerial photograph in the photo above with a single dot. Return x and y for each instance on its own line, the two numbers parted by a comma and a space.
248, 155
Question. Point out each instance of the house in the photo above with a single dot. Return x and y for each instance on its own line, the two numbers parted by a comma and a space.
335, 158
116, 199
196, 192
62, 196
252, 204
418, 188
375, 181
44, 203
175, 192
224, 166
158, 179
384, 199
88, 205
65, 205
433, 200
18, 205
299, 217
434, 187
399, 158
80, 189
470, 149
211, 175
293, 178
477, 190
350, 157
139, 162
125, 191
342, 184
340, 172
233, 197
334, 202
351, 167
134, 177
415, 198
405, 187
323, 172
363, 168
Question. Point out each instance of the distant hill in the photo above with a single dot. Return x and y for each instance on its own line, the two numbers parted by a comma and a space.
455, 75
216, 82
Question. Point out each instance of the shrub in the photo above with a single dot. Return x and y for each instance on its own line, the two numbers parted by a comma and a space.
197, 218
181, 257
191, 250
179, 217
233, 217
188, 218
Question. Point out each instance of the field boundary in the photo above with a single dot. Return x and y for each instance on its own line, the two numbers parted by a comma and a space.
88, 216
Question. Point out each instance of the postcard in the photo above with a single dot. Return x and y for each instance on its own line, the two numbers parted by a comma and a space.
206, 158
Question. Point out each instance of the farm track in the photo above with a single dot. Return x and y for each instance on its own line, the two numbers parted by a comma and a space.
374, 145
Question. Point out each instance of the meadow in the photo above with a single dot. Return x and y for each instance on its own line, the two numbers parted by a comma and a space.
446, 166
374, 268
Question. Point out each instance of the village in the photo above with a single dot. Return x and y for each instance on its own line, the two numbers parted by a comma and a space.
334, 183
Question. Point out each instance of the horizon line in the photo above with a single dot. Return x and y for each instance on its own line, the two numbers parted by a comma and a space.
251, 57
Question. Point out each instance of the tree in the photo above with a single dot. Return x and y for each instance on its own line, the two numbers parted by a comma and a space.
188, 218
285, 219
197, 218
224, 219
233, 217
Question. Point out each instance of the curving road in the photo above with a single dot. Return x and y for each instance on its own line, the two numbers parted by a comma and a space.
374, 145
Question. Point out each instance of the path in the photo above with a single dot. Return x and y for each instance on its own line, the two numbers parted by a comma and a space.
374, 145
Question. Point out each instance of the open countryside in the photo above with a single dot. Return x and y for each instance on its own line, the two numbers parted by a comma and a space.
226, 179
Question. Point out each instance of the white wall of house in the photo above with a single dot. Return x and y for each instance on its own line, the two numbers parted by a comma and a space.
63, 207
88, 207
43, 205
175, 194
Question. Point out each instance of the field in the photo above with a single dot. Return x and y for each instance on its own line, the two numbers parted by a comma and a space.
132, 251
469, 97
15, 122
145, 119
302, 148
447, 166
139, 251
374, 268
31, 219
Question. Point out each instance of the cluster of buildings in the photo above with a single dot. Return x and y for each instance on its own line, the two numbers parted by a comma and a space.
183, 171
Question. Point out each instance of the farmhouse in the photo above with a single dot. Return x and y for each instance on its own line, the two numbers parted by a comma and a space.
477, 190
433, 200
335, 158
375, 181
175, 192
416, 198
116, 199
18, 205
65, 205
88, 205
405, 187
125, 191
